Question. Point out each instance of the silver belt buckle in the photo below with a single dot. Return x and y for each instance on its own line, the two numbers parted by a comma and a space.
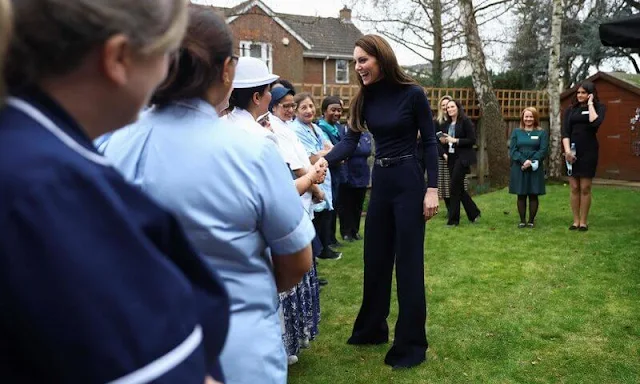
384, 162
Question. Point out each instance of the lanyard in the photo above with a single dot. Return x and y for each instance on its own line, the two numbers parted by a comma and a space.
50, 126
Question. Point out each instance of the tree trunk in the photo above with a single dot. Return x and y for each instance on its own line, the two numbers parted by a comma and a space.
555, 87
492, 119
436, 73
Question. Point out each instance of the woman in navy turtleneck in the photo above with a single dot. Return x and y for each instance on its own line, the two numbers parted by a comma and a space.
393, 108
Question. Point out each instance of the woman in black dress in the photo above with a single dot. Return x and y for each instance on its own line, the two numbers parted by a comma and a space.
393, 107
581, 123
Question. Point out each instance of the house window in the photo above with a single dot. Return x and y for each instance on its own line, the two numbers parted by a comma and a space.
262, 51
342, 71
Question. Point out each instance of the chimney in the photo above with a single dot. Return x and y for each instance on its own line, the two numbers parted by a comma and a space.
345, 15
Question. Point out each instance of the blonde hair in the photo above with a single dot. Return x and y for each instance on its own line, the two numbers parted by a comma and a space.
441, 116
536, 117
52, 37
5, 37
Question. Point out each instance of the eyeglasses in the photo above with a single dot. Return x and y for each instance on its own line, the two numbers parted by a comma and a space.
289, 106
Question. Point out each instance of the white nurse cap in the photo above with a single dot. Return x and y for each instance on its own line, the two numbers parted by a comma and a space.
252, 72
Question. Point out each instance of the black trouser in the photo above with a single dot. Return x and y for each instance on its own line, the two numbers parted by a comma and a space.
457, 171
322, 223
351, 201
394, 232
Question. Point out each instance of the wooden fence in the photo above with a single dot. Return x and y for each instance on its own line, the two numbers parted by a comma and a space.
511, 101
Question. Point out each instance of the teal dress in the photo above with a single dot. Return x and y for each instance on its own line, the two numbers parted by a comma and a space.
525, 146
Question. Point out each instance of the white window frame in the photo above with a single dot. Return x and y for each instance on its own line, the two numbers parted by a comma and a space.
266, 51
346, 81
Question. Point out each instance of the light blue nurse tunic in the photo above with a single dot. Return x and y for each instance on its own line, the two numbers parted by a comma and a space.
313, 142
234, 196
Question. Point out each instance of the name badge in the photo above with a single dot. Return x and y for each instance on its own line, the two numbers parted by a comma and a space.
535, 137
585, 112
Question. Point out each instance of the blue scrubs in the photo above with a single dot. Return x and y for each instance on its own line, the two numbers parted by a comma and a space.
233, 193
97, 283
313, 142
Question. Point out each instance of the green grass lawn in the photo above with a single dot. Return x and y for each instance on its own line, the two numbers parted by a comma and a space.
506, 305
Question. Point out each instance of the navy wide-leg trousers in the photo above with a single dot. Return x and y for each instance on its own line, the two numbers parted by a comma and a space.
394, 232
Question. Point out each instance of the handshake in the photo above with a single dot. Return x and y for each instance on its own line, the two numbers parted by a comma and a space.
318, 171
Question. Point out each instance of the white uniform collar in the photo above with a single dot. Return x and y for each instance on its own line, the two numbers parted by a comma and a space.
35, 114
246, 121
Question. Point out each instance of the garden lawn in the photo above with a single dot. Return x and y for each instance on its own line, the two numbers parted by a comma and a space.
506, 305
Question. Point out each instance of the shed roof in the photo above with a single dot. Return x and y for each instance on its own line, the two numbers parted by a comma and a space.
628, 81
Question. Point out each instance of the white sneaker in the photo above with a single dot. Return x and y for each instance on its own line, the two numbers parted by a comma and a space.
292, 359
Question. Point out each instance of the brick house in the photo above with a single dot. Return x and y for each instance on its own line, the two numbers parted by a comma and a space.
301, 49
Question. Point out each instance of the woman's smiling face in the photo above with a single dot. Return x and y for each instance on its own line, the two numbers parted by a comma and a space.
306, 111
367, 66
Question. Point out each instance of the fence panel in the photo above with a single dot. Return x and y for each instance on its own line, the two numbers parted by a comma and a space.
511, 101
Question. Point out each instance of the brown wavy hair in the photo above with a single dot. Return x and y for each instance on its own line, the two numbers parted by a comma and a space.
390, 70
199, 63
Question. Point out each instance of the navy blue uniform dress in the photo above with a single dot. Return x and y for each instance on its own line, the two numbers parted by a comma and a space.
395, 227
97, 283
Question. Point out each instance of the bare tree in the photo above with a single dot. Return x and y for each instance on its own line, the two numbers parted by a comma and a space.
555, 87
492, 120
427, 28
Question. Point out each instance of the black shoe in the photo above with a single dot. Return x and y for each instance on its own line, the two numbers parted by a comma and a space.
330, 255
335, 244
322, 281
399, 357
522, 225
452, 224
573, 227
348, 238
583, 228
531, 225
356, 236
476, 220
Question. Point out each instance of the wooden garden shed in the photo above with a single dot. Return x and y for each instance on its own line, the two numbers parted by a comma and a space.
619, 134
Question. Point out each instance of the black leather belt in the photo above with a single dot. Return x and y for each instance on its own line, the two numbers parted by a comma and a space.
391, 161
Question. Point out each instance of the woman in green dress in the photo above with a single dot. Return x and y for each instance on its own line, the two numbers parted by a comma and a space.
527, 149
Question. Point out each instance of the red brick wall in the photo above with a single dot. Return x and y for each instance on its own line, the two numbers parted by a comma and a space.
258, 27
288, 61
313, 71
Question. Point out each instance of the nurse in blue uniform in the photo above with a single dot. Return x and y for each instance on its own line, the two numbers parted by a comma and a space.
394, 108
98, 284
231, 191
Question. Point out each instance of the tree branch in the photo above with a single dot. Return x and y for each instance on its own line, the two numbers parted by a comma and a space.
634, 4
491, 5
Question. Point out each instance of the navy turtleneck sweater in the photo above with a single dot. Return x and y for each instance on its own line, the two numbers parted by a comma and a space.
394, 114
